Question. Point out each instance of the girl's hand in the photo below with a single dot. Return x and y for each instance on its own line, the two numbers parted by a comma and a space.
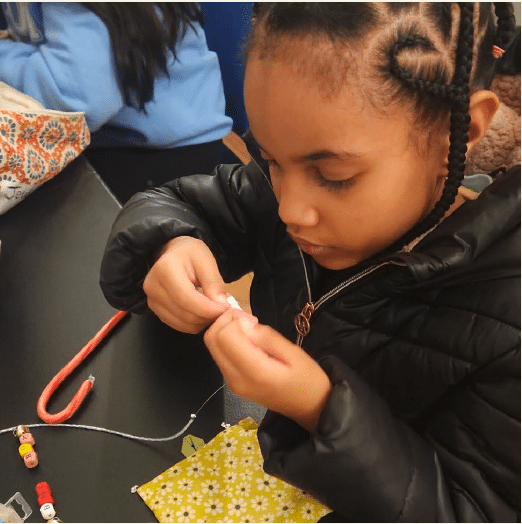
184, 287
260, 364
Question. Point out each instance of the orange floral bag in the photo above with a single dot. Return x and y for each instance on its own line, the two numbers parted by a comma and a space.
35, 144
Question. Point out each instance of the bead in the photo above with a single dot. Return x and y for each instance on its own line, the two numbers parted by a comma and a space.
47, 511
45, 498
24, 449
42, 487
43, 490
20, 430
26, 438
31, 459
54, 519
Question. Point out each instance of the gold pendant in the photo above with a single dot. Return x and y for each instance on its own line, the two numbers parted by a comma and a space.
302, 320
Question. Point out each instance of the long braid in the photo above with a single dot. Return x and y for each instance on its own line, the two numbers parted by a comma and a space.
506, 30
506, 24
458, 92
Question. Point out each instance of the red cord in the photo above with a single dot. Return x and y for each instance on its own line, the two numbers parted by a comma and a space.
74, 404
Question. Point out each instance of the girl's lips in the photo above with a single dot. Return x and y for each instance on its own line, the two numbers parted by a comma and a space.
312, 249
307, 247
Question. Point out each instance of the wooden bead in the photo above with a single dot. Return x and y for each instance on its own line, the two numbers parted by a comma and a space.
26, 438
31, 459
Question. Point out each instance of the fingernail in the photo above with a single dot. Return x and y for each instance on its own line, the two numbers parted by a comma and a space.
222, 299
248, 323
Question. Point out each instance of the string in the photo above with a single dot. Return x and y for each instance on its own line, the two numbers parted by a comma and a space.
119, 433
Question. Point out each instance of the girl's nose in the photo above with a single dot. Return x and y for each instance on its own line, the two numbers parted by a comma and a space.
296, 207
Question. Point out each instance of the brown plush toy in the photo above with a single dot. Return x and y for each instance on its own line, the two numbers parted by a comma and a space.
500, 146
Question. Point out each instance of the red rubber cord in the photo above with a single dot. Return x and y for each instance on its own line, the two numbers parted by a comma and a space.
76, 401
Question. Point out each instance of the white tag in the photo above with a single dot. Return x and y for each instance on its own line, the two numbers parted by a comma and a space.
234, 303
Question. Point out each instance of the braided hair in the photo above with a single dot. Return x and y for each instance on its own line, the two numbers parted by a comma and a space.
454, 43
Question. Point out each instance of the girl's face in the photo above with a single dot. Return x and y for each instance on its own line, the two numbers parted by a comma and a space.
349, 180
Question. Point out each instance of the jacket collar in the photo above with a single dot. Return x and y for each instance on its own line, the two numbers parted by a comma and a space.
470, 230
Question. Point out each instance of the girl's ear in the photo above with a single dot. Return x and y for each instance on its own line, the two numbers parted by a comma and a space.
482, 108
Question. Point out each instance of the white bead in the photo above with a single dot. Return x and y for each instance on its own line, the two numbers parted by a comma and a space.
47, 511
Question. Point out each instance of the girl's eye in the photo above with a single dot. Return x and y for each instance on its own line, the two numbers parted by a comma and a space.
270, 162
332, 185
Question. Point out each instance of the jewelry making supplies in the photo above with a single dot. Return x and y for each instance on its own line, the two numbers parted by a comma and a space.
45, 501
26, 446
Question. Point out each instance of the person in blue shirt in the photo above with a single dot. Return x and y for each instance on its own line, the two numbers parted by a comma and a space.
150, 88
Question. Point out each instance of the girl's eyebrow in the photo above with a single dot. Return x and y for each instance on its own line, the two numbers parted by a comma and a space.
320, 154
326, 154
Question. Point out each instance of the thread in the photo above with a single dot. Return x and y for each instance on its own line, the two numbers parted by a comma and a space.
119, 433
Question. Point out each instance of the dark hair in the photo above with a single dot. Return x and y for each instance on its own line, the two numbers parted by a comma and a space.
432, 54
141, 34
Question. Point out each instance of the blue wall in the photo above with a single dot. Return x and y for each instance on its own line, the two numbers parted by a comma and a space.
226, 26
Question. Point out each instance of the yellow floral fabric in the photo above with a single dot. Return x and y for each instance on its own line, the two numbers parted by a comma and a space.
224, 482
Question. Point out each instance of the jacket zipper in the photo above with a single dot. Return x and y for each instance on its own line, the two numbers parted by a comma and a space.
302, 319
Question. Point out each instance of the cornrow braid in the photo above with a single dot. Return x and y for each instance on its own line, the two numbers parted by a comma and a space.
412, 82
458, 92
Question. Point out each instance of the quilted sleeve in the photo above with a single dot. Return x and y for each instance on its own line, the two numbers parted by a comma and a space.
219, 209
368, 466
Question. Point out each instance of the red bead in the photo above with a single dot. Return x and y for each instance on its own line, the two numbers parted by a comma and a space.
42, 487
26, 438
45, 498
31, 459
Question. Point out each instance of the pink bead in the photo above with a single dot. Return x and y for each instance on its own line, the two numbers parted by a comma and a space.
31, 459
26, 438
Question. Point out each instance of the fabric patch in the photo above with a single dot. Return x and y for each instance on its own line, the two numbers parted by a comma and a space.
224, 481
35, 144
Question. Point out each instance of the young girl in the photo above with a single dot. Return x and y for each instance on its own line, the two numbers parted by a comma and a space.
151, 90
385, 341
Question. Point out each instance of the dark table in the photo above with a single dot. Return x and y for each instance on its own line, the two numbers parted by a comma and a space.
149, 378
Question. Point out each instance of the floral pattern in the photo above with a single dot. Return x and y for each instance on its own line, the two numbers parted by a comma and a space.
8, 129
35, 147
224, 481
52, 134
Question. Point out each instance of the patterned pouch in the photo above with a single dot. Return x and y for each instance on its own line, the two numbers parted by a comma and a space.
224, 481
35, 144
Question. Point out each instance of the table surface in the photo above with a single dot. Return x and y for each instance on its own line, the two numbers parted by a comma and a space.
149, 378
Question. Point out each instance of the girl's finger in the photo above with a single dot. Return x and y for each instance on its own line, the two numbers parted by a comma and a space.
233, 349
177, 321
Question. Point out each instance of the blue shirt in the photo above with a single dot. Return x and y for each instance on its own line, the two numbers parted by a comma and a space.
61, 55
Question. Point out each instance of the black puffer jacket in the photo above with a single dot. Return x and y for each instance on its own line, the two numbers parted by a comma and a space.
422, 347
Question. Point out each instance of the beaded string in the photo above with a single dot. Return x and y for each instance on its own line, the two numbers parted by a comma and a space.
58, 418
119, 433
